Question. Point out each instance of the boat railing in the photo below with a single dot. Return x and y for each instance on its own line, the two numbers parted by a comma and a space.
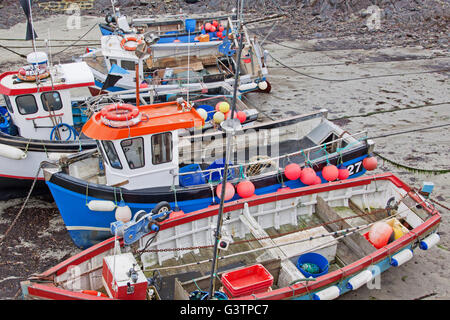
240, 168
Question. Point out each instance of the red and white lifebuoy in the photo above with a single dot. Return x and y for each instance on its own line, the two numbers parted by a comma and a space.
120, 115
128, 39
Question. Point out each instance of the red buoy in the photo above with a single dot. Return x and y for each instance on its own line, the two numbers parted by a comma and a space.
380, 234
229, 191
330, 172
292, 171
308, 176
207, 26
241, 116
212, 29
215, 23
317, 180
370, 163
343, 173
245, 189
219, 34
221, 28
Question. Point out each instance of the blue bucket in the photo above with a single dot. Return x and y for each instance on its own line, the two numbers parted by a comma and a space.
315, 258
190, 25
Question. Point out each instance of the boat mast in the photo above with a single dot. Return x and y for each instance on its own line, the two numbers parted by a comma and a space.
229, 136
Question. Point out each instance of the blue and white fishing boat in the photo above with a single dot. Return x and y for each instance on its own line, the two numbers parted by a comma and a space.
152, 161
175, 52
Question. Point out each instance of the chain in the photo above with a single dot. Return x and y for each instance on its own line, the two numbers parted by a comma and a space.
266, 237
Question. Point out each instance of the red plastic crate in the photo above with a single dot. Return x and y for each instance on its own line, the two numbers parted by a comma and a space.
248, 280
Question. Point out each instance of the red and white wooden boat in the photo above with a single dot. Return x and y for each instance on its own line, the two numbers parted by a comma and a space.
337, 220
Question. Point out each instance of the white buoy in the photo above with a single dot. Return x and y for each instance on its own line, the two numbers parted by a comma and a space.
123, 213
12, 152
247, 86
400, 258
329, 293
429, 241
262, 85
56, 156
101, 205
359, 280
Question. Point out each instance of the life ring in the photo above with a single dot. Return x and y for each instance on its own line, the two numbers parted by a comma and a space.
120, 115
94, 293
25, 76
127, 39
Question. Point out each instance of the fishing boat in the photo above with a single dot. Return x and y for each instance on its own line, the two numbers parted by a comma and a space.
316, 242
175, 52
42, 117
157, 157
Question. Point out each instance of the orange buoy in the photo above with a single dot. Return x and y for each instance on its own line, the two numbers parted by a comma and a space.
308, 176
241, 116
229, 191
380, 234
176, 40
330, 172
343, 173
370, 163
292, 171
245, 189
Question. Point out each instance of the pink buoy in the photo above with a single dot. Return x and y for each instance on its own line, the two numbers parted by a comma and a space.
245, 189
241, 116
308, 176
370, 163
292, 171
176, 40
380, 233
229, 191
343, 173
143, 85
330, 172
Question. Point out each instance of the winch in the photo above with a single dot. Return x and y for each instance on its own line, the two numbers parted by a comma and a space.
141, 224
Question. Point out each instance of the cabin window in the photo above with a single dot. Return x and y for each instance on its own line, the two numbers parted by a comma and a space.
162, 148
51, 101
113, 61
134, 152
112, 155
128, 65
8, 104
26, 104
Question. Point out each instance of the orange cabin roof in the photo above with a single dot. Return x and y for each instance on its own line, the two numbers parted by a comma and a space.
162, 117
